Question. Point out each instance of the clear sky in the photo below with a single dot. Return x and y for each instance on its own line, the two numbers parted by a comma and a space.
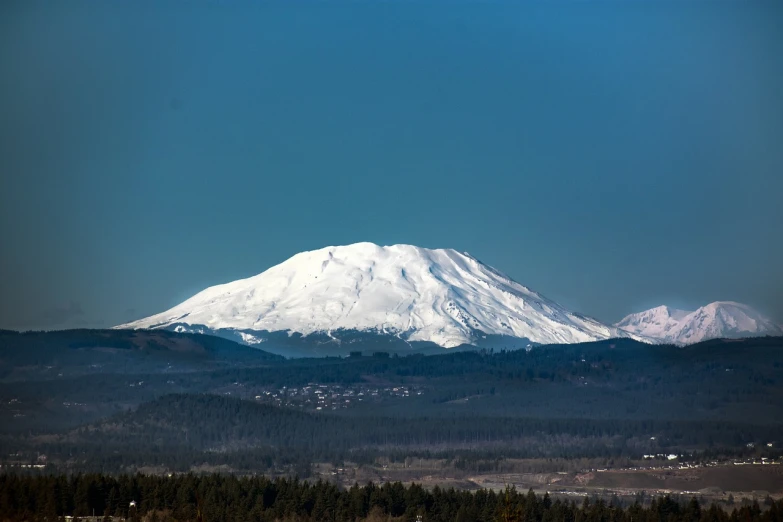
611, 155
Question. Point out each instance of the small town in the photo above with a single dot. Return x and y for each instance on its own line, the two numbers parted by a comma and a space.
321, 397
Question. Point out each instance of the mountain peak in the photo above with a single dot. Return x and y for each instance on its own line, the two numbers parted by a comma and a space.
418, 294
668, 311
727, 304
714, 320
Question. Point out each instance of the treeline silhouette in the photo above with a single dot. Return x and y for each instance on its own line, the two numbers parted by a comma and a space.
231, 498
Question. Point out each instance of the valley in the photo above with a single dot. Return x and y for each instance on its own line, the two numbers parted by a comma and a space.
566, 419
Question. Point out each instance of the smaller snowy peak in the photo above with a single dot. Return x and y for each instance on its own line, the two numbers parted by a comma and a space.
656, 323
676, 313
658, 314
721, 319
725, 319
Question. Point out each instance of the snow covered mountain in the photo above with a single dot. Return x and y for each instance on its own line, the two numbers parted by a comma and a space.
656, 323
416, 294
721, 319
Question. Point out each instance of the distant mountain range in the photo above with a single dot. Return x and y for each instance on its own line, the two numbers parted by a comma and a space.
721, 319
439, 297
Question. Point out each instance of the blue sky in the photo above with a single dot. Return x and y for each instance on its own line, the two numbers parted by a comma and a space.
610, 155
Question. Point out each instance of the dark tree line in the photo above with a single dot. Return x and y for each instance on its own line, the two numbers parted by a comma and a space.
180, 431
231, 498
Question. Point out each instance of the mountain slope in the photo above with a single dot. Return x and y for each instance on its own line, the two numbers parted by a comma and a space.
418, 294
721, 319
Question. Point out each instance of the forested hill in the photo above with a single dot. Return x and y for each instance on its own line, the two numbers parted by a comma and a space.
177, 432
42, 384
41, 355
608, 399
211, 422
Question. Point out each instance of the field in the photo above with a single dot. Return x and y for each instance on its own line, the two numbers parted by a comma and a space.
713, 483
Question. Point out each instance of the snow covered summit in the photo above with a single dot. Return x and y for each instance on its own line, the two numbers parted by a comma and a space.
721, 319
418, 294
